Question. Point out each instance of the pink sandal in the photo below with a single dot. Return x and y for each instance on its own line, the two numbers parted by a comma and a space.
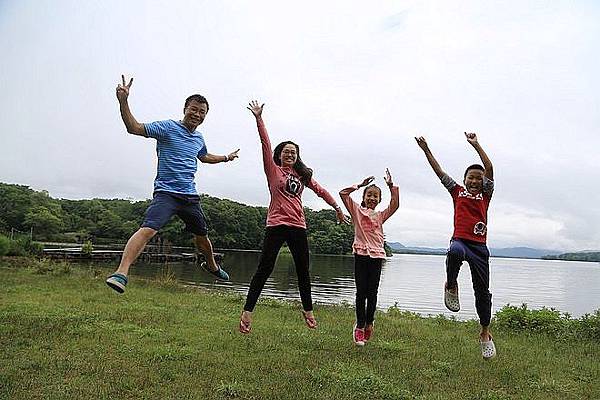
310, 320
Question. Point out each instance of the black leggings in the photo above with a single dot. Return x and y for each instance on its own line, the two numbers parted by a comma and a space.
297, 241
367, 272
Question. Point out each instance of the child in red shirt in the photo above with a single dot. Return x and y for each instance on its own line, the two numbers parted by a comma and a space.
468, 243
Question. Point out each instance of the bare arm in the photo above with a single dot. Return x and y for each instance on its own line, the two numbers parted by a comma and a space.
215, 159
395, 196
129, 120
432, 161
487, 164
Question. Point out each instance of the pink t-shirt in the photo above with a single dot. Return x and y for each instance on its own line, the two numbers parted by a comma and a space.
286, 188
368, 224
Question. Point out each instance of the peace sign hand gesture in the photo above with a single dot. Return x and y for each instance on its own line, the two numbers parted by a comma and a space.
255, 108
123, 89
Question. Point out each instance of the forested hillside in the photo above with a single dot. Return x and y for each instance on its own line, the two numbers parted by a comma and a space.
231, 224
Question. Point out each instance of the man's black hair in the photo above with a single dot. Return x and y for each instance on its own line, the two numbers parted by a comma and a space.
196, 97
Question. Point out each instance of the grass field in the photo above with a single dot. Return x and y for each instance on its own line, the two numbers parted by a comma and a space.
66, 335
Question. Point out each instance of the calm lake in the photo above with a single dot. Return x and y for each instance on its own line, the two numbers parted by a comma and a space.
412, 282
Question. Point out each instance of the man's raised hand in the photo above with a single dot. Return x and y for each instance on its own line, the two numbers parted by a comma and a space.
123, 89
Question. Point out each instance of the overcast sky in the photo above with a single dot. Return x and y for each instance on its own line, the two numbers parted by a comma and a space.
351, 84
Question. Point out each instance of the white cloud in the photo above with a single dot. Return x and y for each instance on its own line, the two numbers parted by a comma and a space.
351, 84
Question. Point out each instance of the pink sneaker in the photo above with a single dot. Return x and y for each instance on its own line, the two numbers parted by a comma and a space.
358, 336
368, 332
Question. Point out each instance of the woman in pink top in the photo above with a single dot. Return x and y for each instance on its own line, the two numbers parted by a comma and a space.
368, 250
287, 176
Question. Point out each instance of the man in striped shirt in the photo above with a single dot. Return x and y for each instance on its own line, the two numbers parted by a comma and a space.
178, 147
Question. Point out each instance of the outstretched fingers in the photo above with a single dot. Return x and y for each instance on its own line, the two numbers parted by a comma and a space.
367, 180
255, 107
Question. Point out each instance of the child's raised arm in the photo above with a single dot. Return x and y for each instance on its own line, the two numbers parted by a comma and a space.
432, 161
395, 200
487, 164
345, 194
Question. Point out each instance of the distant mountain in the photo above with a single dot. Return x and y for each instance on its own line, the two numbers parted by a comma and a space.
515, 252
401, 249
523, 252
395, 245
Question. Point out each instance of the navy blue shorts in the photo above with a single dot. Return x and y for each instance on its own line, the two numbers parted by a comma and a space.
187, 207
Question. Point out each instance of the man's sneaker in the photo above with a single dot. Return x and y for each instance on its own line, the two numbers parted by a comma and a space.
358, 336
117, 282
220, 273
368, 332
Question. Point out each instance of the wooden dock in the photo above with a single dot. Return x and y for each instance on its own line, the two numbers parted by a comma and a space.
76, 253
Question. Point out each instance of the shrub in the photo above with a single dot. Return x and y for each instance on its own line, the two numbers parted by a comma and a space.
46, 266
87, 248
4, 245
589, 326
21, 247
549, 321
34, 248
17, 248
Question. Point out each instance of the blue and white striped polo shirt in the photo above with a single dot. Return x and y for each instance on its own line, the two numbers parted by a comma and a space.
178, 151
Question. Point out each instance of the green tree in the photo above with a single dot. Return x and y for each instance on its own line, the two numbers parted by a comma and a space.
43, 221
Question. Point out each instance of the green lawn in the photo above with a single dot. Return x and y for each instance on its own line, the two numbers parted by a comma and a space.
66, 335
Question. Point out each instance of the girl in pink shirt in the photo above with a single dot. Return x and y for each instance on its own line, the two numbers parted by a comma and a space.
368, 249
287, 176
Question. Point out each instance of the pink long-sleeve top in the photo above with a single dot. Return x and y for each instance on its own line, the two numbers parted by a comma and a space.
368, 224
286, 188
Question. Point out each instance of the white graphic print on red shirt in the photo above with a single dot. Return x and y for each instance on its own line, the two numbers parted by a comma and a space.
293, 186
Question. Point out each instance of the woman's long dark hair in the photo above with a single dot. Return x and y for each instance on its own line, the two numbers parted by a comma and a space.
300, 168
